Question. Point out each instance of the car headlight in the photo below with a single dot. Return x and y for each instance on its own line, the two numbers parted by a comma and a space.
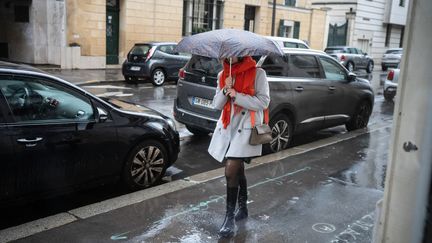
172, 124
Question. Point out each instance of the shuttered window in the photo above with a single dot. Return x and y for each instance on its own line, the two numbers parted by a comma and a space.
296, 33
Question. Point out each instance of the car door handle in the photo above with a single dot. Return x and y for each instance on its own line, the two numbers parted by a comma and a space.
332, 88
299, 89
29, 142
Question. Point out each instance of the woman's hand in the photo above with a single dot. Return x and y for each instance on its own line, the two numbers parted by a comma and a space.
231, 93
228, 82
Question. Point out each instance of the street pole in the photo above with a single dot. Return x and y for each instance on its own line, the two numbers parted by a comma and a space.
273, 18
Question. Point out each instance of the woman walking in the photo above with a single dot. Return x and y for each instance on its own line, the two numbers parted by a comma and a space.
242, 94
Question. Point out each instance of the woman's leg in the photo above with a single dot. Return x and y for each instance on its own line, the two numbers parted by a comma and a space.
242, 211
232, 168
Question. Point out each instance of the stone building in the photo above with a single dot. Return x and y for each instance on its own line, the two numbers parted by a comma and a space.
99, 33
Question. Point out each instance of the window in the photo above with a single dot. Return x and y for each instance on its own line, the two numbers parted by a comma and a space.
352, 50
275, 66
402, 3
37, 100
296, 32
303, 66
332, 70
388, 35
290, 3
22, 14
167, 49
201, 15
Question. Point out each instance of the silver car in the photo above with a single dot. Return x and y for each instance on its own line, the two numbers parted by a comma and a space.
391, 84
309, 90
352, 58
391, 58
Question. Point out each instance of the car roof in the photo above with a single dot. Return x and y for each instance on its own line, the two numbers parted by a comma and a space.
16, 66
302, 51
155, 43
396, 48
277, 38
339, 47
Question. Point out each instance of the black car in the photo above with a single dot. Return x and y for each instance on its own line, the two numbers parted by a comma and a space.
154, 60
57, 137
309, 91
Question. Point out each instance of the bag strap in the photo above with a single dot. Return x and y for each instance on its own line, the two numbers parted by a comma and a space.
266, 117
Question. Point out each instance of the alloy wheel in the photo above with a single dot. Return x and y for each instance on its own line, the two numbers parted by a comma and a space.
147, 166
158, 77
281, 133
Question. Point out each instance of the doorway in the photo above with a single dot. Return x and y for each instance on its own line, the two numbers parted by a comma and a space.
112, 31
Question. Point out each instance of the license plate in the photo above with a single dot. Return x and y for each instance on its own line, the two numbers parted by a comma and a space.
135, 68
202, 102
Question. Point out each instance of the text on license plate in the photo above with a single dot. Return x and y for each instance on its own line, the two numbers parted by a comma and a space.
135, 68
202, 102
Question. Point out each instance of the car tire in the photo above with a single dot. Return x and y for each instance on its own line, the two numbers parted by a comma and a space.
282, 131
388, 96
158, 77
350, 66
369, 67
384, 68
197, 131
130, 79
360, 119
145, 165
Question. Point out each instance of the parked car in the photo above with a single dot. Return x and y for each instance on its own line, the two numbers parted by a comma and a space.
289, 42
309, 90
352, 58
391, 58
55, 137
391, 83
154, 60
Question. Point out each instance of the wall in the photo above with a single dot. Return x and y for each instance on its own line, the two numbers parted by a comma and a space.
395, 14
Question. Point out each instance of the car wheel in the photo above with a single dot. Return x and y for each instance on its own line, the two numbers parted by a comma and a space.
360, 118
282, 130
350, 66
384, 68
158, 77
197, 131
146, 165
369, 67
388, 96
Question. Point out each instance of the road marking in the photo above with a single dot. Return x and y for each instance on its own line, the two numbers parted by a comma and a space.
120, 236
323, 228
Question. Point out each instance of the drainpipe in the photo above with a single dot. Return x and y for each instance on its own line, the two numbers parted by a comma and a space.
273, 18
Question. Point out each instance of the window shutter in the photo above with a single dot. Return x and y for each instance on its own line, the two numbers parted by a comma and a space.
281, 28
296, 32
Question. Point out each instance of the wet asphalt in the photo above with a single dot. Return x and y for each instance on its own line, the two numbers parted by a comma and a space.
332, 188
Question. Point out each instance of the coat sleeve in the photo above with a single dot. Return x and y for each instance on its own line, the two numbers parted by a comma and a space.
219, 99
261, 99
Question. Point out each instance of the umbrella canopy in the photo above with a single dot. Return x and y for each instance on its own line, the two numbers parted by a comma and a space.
225, 43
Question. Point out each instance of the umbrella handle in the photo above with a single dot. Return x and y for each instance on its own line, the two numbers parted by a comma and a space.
230, 67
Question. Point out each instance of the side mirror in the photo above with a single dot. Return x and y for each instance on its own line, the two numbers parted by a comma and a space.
102, 115
351, 76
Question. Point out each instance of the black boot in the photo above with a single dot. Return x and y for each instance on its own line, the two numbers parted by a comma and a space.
227, 228
242, 211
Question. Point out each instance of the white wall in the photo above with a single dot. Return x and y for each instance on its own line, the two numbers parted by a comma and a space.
395, 14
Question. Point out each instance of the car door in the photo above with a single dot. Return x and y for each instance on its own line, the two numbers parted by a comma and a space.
54, 135
309, 90
355, 57
172, 61
363, 58
7, 155
337, 108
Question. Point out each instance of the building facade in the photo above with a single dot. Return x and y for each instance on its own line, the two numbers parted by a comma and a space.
371, 25
99, 33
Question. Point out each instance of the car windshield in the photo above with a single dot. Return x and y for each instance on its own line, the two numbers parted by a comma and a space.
393, 52
333, 50
140, 50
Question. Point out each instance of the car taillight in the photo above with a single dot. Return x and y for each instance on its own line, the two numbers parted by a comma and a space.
181, 73
390, 75
150, 53
342, 58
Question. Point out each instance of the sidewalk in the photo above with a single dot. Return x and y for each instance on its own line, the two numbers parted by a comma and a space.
86, 76
324, 191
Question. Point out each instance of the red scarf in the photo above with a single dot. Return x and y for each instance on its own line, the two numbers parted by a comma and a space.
244, 73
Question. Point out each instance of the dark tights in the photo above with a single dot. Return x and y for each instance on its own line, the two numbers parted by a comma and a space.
234, 172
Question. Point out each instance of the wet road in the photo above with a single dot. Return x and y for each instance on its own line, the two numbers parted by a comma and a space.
193, 158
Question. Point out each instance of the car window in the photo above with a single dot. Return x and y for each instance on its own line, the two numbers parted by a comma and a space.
393, 52
303, 66
275, 66
302, 46
333, 50
332, 70
352, 50
169, 49
290, 44
34, 99
359, 51
140, 50
204, 65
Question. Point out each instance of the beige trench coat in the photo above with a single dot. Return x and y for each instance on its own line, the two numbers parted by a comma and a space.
234, 140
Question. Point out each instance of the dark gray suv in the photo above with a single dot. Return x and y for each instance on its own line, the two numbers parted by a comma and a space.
309, 90
154, 60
